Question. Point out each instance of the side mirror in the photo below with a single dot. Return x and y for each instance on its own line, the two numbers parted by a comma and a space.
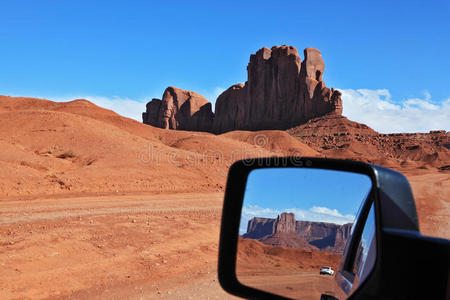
311, 228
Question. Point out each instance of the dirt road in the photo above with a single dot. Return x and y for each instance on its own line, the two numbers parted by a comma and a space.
136, 246
115, 247
299, 285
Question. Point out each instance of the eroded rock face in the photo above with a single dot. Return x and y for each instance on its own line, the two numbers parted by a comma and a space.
285, 223
260, 227
179, 109
151, 114
281, 92
316, 235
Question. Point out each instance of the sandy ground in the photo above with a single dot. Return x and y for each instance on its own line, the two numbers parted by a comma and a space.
431, 192
305, 285
116, 247
139, 246
95, 205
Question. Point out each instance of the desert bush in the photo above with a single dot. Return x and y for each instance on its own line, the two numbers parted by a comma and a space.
67, 154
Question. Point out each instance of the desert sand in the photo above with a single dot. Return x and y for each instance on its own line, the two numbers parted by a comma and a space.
296, 285
122, 247
93, 204
285, 271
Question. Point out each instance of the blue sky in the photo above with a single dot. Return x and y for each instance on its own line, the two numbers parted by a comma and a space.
120, 54
311, 194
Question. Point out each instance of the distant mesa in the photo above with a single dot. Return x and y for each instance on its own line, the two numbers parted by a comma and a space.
285, 231
281, 92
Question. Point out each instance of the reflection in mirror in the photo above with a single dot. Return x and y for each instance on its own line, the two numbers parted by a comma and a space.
294, 226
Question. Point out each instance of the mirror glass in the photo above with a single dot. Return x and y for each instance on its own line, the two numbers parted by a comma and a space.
366, 250
294, 226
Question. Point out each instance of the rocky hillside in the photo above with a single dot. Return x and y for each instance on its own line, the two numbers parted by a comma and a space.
78, 148
281, 92
285, 231
72, 147
256, 257
336, 136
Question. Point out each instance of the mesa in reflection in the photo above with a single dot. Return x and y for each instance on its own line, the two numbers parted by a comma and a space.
284, 255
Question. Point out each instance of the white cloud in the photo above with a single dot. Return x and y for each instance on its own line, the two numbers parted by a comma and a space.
211, 95
257, 211
321, 214
315, 213
126, 107
123, 106
325, 210
376, 109
129, 107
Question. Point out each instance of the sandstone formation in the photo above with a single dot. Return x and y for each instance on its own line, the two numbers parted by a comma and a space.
325, 236
287, 232
285, 223
260, 227
336, 136
281, 92
179, 109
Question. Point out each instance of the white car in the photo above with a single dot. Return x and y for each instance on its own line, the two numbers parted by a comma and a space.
326, 271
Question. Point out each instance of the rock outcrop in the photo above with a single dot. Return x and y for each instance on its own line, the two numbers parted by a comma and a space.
260, 227
288, 240
336, 136
325, 236
179, 109
285, 223
286, 231
281, 92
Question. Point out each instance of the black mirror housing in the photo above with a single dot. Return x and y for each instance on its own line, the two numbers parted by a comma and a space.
396, 220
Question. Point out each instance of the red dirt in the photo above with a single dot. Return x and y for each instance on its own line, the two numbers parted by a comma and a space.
110, 247
256, 257
285, 271
93, 203
59, 148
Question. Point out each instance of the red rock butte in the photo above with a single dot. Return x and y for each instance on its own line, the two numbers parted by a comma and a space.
281, 92
179, 109
285, 231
